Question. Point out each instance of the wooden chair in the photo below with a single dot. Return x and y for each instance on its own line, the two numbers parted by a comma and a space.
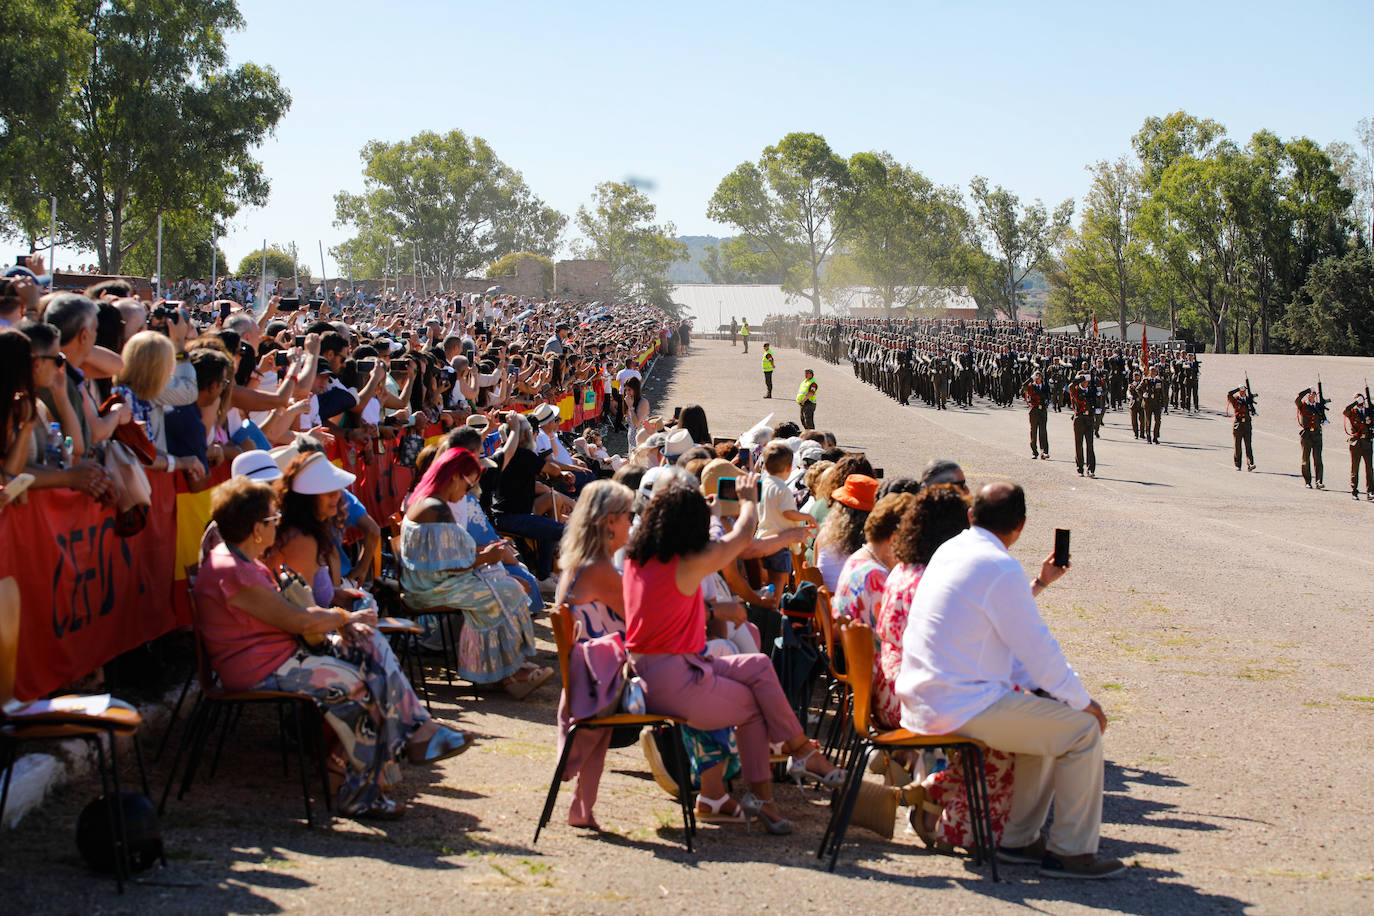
19, 725
857, 640
215, 702
561, 620
838, 683
811, 574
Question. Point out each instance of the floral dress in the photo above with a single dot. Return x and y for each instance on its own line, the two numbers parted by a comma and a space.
945, 786
859, 590
497, 636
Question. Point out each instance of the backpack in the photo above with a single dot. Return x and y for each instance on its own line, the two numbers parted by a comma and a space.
598, 670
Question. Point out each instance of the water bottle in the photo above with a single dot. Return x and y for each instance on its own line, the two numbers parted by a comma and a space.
767, 591
53, 447
632, 701
67, 451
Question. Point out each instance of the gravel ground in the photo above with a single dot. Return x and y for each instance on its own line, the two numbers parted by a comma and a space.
1221, 618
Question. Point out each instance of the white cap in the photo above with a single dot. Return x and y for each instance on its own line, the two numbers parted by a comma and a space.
678, 443
318, 476
256, 465
651, 477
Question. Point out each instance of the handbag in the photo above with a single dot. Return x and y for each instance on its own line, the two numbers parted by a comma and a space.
408, 449
133, 435
598, 670
132, 495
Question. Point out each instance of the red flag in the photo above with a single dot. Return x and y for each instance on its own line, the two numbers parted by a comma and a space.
1144, 345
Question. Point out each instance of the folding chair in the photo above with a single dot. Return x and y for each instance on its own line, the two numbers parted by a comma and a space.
561, 620
857, 639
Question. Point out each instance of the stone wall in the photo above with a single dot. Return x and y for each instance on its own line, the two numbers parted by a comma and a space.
587, 278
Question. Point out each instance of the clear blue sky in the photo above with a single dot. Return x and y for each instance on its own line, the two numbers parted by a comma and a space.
572, 94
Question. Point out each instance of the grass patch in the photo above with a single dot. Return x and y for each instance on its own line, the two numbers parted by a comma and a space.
1112, 686
1317, 704
1356, 699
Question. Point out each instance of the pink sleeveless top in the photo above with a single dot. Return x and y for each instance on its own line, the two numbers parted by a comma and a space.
659, 619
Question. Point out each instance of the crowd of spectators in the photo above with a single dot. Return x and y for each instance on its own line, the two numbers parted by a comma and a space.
684, 542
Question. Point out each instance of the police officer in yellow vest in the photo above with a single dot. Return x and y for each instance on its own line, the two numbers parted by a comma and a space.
806, 397
744, 332
768, 367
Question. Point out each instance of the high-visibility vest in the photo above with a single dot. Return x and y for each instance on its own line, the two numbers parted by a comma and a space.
804, 392
767, 361
744, 329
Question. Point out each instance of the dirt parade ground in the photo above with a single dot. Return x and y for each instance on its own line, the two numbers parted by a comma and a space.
1222, 619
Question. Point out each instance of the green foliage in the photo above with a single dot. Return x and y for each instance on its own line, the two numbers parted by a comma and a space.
186, 250
619, 229
450, 194
1019, 238
906, 234
279, 264
790, 204
126, 110
1333, 311
1104, 263
741, 260
1066, 305
506, 266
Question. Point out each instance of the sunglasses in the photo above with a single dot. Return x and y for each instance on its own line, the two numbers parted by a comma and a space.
60, 359
271, 519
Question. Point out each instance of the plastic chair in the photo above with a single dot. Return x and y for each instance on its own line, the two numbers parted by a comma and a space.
19, 725
857, 640
214, 701
561, 620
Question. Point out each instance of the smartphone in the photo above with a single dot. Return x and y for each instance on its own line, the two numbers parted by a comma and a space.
877, 473
725, 489
1061, 547
282, 359
366, 365
289, 303
677, 412
300, 340
21, 260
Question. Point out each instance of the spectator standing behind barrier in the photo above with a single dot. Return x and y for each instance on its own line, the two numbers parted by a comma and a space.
973, 627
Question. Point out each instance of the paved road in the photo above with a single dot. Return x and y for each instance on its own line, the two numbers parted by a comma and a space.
1222, 618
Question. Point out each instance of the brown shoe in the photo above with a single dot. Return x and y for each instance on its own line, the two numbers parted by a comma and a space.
1033, 854
1083, 867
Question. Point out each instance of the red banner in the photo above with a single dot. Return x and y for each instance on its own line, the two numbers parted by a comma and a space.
87, 594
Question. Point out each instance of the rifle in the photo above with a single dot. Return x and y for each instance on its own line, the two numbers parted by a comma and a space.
1322, 399
1250, 395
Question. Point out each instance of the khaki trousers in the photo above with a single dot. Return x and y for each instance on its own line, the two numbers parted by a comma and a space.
1058, 758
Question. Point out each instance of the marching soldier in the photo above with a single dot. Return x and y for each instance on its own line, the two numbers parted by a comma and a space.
768, 367
806, 397
1155, 394
1359, 419
1311, 416
1082, 403
1037, 395
1135, 394
1243, 406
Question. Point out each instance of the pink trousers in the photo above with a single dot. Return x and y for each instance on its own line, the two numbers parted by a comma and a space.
738, 690
585, 761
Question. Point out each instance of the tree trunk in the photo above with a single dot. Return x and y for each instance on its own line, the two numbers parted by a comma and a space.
1219, 334
1011, 291
1173, 317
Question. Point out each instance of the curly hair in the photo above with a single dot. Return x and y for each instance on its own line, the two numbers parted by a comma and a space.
887, 515
855, 463
939, 513
842, 530
676, 522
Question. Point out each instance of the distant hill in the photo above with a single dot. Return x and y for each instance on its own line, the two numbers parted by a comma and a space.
689, 270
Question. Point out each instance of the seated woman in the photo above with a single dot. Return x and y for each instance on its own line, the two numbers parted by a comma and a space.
860, 586
842, 532
668, 556
442, 567
254, 640
939, 806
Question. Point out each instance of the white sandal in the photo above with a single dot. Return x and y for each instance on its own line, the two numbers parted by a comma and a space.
714, 812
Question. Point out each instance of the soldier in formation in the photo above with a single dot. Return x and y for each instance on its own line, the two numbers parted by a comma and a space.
1037, 395
1242, 402
1311, 416
1359, 428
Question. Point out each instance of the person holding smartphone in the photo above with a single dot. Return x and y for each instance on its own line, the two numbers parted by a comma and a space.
973, 636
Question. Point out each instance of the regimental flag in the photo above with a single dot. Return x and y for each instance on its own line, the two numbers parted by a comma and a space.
1144, 345
1094, 324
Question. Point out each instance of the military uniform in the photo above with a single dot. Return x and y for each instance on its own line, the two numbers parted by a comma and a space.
1082, 402
1310, 419
1359, 418
768, 367
1243, 406
1037, 395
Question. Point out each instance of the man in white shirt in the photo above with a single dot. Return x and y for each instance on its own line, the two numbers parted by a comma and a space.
973, 633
